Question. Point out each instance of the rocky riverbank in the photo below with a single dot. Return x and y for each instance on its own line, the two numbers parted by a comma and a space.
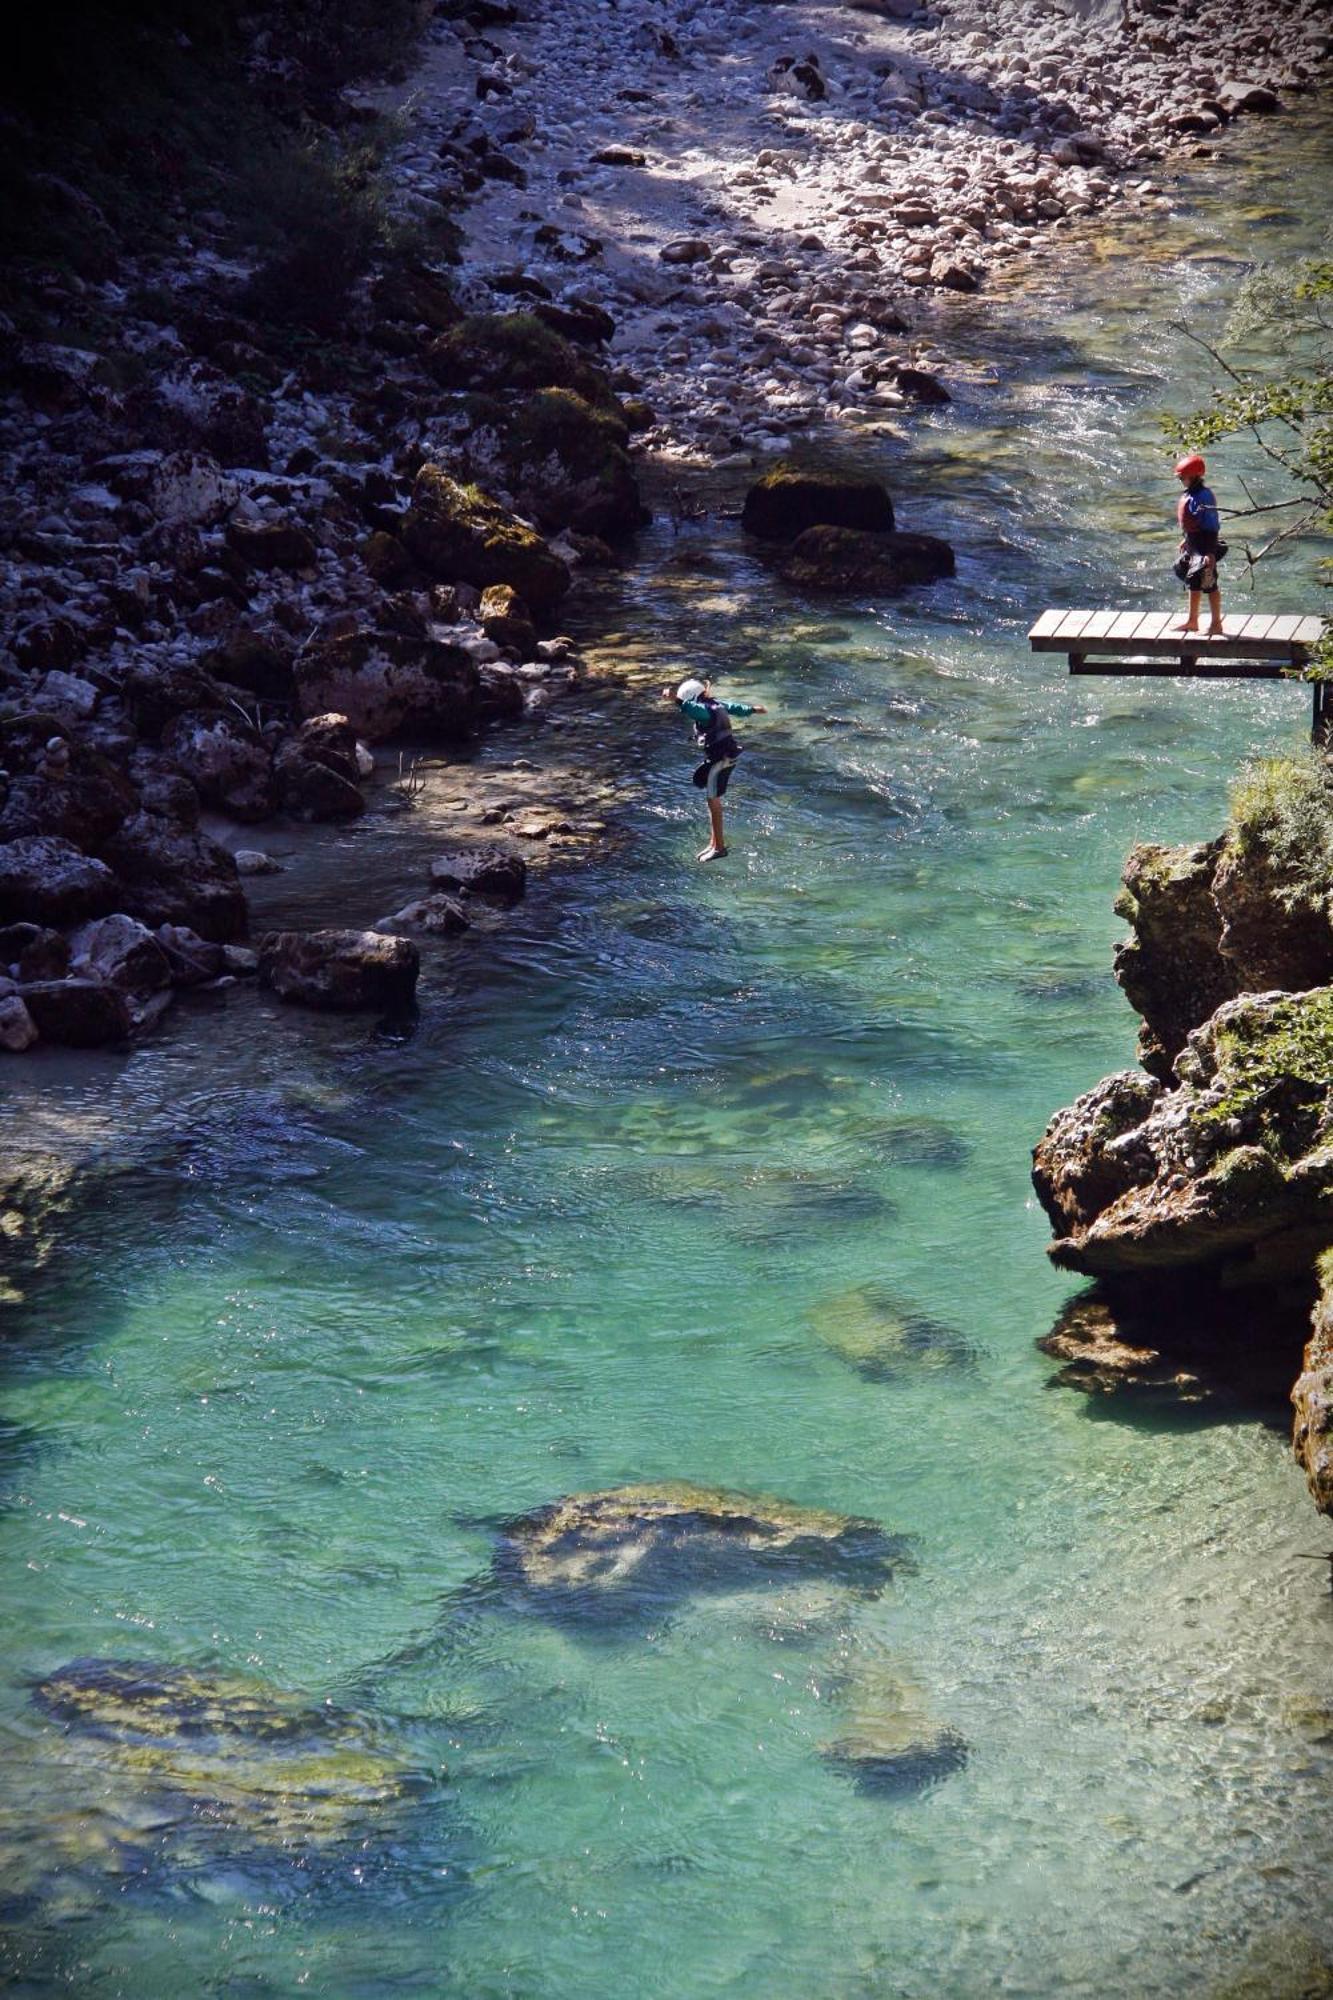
1198, 1190
239, 557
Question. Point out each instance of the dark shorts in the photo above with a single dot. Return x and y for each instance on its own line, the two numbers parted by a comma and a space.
713, 779
1201, 573
1201, 553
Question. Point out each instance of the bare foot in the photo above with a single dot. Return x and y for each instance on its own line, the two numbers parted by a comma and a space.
712, 853
1184, 628
1217, 631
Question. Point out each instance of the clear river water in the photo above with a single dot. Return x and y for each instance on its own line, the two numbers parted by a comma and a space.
668, 1165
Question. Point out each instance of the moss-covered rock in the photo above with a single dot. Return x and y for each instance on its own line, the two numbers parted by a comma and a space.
461, 535
604, 1554
789, 499
570, 466
512, 351
1232, 1170
1313, 1398
831, 558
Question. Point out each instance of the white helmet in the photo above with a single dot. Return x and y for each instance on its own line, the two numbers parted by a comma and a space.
690, 690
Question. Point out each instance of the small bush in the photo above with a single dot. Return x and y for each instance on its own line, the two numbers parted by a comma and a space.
1283, 807
320, 216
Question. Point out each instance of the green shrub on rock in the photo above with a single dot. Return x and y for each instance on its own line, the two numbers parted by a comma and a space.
461, 535
569, 456
499, 351
1284, 806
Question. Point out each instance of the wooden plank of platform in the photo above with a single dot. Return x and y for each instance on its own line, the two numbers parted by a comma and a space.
1256, 646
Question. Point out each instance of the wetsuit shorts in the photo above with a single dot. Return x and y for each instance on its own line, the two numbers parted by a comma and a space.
1201, 569
713, 779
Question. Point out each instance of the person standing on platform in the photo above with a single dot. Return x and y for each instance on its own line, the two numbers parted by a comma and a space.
1201, 546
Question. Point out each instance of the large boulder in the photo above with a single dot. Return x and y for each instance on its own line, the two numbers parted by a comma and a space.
121, 952
272, 544
569, 465
484, 870
1229, 1174
18, 1031
604, 1554
172, 875
512, 351
1171, 967
189, 486
78, 1013
227, 762
317, 773
47, 880
788, 499
828, 558
256, 661
390, 683
340, 971
461, 535
1313, 1398
81, 797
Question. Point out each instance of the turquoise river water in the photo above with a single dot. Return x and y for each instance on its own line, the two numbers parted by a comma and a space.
656, 1151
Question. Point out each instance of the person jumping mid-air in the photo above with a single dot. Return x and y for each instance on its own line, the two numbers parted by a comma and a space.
712, 733
1201, 545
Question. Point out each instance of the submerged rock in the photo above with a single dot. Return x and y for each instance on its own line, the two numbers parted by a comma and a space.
181, 1759
635, 1547
892, 1745
829, 558
788, 500
1182, 1342
884, 1337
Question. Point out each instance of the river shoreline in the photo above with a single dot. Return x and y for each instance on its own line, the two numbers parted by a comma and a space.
926, 147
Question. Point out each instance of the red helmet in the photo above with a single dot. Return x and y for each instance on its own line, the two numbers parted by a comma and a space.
1192, 467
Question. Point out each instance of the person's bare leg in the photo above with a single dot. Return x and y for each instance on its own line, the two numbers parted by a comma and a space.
1192, 622
717, 846
1216, 629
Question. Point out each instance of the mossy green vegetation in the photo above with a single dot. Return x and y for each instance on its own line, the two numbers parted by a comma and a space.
1270, 1058
1283, 807
514, 352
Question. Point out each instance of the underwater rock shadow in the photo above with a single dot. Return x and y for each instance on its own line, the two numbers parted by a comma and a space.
1179, 1356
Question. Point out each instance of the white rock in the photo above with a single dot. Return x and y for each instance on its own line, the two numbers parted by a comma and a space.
253, 861
18, 1030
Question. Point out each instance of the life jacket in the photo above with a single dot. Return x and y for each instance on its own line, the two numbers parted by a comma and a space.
1201, 510
714, 737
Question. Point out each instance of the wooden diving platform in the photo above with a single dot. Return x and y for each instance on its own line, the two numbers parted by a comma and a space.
1257, 646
